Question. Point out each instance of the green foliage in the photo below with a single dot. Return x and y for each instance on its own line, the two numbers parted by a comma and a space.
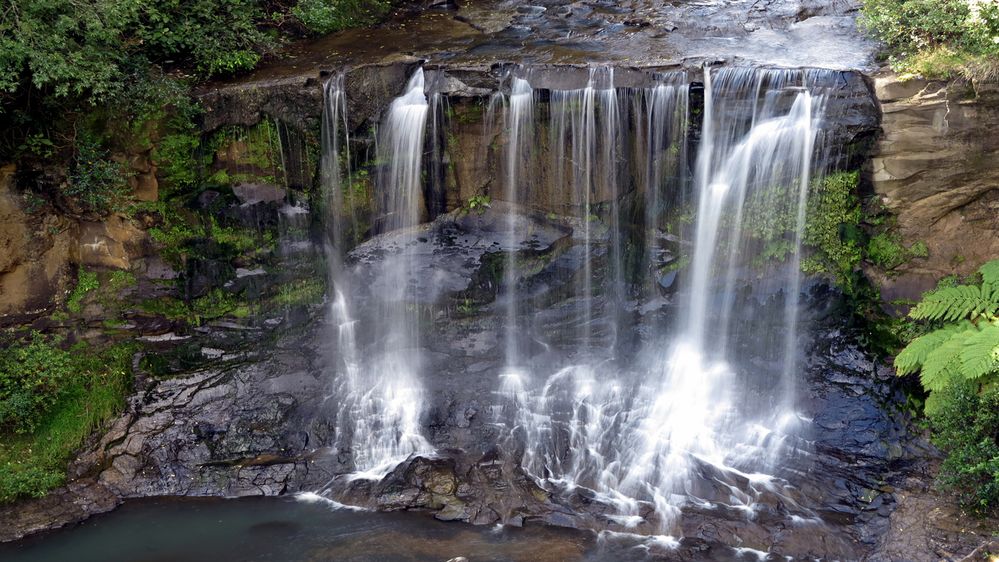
951, 304
86, 282
967, 346
937, 38
832, 230
176, 231
919, 250
217, 304
167, 307
965, 424
92, 391
241, 240
96, 182
327, 16
118, 280
39, 145
958, 363
301, 292
87, 49
175, 156
886, 251
32, 373
479, 203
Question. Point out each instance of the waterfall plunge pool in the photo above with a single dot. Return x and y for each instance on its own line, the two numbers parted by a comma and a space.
285, 529
291, 529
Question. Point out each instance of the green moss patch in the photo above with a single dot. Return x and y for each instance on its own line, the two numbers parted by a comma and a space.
91, 390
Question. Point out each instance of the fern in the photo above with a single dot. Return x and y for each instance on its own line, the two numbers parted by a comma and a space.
911, 358
967, 347
951, 304
980, 353
943, 364
990, 273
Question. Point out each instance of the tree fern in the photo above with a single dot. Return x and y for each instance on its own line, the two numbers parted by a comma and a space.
943, 364
911, 358
966, 349
980, 353
990, 273
958, 365
951, 304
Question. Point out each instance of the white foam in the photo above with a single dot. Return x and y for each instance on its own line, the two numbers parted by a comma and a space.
312, 497
627, 521
743, 551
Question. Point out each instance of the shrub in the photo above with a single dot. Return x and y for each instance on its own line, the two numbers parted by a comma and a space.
97, 183
958, 363
937, 38
966, 426
86, 281
91, 393
327, 16
32, 374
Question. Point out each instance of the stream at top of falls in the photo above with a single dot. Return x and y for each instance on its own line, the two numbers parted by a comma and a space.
697, 414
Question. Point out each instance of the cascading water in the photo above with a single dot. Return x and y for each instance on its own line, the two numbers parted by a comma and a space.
519, 116
701, 408
378, 384
649, 431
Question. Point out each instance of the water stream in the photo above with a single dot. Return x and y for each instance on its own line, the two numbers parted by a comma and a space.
698, 412
379, 386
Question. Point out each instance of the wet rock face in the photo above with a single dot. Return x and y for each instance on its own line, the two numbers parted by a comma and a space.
449, 254
259, 419
36, 251
936, 168
76, 501
232, 431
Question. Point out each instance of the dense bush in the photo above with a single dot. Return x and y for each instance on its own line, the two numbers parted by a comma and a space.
327, 16
90, 48
92, 387
966, 426
97, 183
938, 37
32, 376
958, 363
62, 59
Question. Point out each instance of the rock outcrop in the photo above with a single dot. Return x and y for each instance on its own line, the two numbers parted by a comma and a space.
36, 253
936, 168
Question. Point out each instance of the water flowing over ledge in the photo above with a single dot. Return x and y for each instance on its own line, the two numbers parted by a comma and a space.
536, 278
698, 412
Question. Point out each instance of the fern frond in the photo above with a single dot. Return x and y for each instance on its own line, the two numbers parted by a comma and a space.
954, 303
911, 359
990, 272
980, 353
943, 364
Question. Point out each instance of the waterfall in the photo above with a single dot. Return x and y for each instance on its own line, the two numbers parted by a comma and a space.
585, 146
519, 117
650, 435
378, 384
697, 411
662, 137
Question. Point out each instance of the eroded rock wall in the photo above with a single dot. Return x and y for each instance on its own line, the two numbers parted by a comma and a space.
936, 168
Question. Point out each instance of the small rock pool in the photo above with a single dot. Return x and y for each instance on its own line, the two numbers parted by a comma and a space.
286, 529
